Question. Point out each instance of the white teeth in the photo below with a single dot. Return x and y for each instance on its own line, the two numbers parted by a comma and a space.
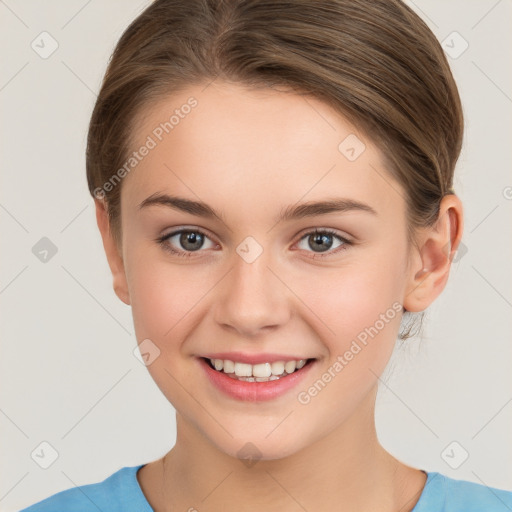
229, 366
277, 368
253, 379
243, 370
290, 366
261, 372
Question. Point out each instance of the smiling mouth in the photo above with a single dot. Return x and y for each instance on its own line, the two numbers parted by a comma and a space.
263, 372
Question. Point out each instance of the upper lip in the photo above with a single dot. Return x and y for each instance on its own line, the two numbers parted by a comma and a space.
241, 357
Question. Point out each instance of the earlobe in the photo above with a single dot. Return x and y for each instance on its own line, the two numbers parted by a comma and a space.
112, 252
431, 263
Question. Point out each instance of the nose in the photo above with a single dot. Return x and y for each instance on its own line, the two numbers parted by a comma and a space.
252, 298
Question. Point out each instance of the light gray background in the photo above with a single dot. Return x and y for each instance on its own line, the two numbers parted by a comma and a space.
68, 373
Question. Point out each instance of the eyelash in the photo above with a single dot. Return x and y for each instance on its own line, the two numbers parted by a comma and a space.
184, 254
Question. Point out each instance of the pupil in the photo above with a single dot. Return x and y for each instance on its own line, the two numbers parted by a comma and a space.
320, 238
190, 238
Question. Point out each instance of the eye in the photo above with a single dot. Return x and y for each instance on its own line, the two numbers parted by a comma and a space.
190, 240
322, 239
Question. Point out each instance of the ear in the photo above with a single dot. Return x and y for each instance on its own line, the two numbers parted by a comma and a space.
112, 251
431, 261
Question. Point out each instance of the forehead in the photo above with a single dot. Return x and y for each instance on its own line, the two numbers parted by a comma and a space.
253, 147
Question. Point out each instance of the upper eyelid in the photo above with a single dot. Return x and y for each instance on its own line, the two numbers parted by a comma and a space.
186, 229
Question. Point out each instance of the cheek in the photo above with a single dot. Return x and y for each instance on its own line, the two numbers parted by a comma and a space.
166, 301
164, 297
359, 308
348, 300
362, 311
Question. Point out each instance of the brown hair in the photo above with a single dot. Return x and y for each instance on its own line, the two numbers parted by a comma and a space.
374, 61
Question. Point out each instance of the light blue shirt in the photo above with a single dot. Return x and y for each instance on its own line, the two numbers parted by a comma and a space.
121, 492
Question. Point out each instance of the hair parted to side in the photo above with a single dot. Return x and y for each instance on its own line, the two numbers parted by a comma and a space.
374, 61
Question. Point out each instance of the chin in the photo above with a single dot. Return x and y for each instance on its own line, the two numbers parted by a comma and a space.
257, 445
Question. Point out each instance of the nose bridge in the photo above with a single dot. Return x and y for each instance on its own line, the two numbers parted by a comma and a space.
252, 297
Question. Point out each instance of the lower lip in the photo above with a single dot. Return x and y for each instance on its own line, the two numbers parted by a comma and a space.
254, 391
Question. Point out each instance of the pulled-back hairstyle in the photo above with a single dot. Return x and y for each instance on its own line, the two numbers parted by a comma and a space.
374, 61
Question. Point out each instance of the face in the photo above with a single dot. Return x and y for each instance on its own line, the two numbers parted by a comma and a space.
252, 282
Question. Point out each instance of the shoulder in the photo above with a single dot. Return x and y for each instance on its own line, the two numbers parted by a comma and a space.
471, 496
445, 494
120, 492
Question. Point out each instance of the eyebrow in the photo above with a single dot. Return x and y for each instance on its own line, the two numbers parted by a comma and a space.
310, 209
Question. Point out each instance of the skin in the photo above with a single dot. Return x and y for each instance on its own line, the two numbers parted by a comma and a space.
248, 154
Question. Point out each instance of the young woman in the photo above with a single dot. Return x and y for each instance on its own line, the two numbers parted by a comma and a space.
273, 187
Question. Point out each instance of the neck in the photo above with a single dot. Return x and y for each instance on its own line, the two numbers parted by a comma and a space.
348, 470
